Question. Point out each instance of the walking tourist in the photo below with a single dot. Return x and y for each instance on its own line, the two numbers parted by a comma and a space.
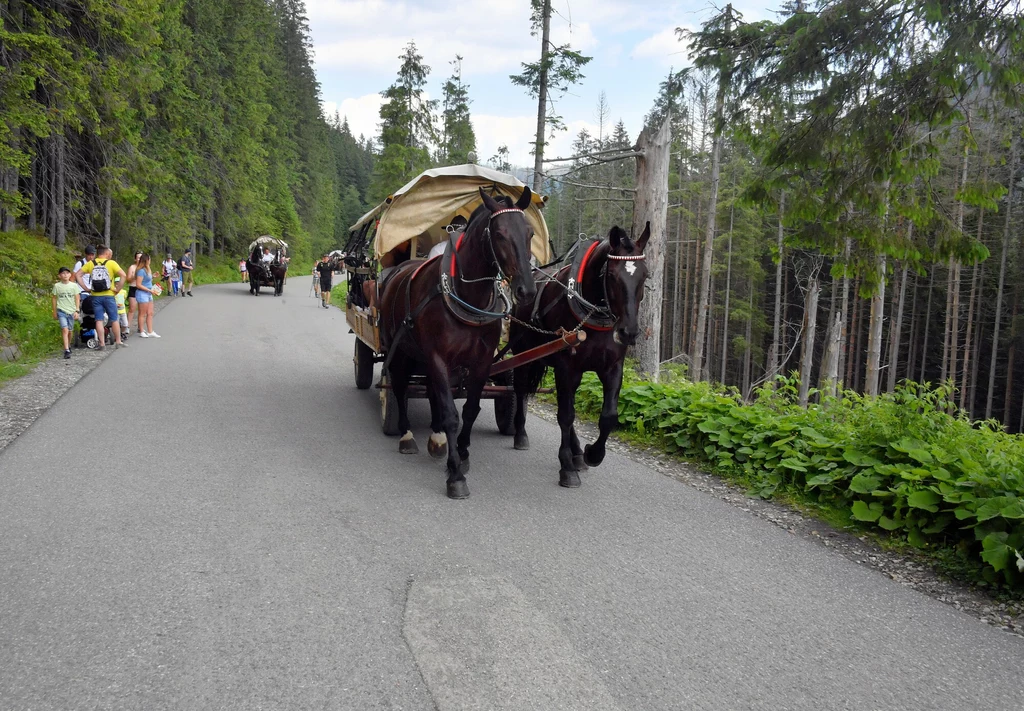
101, 272
168, 272
185, 266
133, 306
144, 294
243, 269
326, 272
66, 303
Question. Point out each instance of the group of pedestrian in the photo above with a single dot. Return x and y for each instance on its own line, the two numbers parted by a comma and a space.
116, 298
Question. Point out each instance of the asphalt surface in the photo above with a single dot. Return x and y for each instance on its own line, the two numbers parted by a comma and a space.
213, 520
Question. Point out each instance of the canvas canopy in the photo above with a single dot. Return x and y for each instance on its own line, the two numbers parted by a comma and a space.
336, 253
419, 211
268, 241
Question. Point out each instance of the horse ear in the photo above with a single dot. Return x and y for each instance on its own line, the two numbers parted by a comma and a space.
615, 236
491, 203
524, 199
642, 242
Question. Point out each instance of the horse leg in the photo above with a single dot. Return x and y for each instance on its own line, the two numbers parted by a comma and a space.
398, 375
611, 379
470, 411
437, 445
577, 451
567, 381
438, 382
521, 385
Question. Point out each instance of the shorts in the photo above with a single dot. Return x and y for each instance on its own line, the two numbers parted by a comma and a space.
66, 320
131, 292
103, 306
325, 285
143, 297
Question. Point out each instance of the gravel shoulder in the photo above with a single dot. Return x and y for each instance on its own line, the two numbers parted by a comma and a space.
24, 399
903, 569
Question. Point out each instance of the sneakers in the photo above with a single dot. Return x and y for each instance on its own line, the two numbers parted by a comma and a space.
67, 355
154, 335
190, 293
122, 344
143, 334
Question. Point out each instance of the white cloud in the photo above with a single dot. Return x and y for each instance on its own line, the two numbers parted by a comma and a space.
363, 113
665, 47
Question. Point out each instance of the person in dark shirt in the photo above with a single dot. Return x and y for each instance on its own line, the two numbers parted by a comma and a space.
326, 272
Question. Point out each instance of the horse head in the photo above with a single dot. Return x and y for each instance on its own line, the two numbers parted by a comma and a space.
625, 274
510, 235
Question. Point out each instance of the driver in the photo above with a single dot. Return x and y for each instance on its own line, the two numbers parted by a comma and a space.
267, 256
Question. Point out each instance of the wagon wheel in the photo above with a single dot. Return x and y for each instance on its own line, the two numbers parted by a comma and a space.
505, 407
363, 361
388, 408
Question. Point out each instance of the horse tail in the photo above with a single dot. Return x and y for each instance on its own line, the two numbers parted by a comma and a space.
532, 375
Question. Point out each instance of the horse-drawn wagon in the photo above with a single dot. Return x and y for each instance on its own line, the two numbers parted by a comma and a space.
270, 272
424, 222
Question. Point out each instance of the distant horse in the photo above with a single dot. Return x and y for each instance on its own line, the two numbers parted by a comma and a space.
444, 316
601, 290
261, 274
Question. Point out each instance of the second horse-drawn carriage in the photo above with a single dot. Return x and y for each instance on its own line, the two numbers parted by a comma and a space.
264, 271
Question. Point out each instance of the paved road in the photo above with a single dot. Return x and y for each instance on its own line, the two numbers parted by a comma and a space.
243, 537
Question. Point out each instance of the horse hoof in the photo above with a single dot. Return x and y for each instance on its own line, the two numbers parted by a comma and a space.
593, 456
569, 480
522, 442
579, 463
407, 445
464, 466
437, 446
458, 489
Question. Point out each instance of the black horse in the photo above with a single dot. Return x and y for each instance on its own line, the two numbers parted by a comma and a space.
601, 290
261, 274
443, 317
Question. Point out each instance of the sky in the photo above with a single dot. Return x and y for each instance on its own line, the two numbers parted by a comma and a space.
357, 43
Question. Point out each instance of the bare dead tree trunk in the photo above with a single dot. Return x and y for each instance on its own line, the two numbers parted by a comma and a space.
542, 100
830, 360
896, 331
1002, 281
875, 318
773, 351
651, 204
807, 348
728, 291
927, 323
845, 314
748, 335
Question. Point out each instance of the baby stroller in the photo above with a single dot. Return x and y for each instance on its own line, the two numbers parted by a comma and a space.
85, 336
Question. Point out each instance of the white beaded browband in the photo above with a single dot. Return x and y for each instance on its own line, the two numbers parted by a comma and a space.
637, 258
504, 210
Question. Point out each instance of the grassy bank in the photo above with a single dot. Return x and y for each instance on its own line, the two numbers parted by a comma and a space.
898, 465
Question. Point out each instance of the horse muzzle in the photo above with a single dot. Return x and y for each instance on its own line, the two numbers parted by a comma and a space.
625, 336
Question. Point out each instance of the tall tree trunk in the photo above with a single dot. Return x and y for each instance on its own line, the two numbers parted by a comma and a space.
106, 218
33, 182
858, 350
677, 278
967, 338
951, 337
1008, 397
874, 355
60, 224
1002, 281
748, 335
830, 360
914, 331
773, 350
807, 348
845, 314
651, 204
210, 236
728, 291
896, 331
927, 323
542, 99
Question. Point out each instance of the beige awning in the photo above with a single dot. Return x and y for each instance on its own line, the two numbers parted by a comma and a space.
268, 241
423, 207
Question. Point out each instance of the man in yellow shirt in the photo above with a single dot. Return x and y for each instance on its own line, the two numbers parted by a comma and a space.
106, 277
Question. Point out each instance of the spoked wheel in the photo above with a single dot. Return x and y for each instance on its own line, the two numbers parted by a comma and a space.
388, 408
363, 361
505, 408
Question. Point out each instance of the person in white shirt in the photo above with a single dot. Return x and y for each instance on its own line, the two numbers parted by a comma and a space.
168, 267
267, 256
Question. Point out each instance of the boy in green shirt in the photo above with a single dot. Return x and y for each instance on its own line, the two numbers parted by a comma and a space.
122, 311
66, 303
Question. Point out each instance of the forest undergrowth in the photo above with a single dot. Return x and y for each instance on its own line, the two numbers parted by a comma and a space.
906, 467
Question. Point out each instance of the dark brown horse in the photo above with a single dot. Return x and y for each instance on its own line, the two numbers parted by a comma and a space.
602, 290
442, 318
262, 274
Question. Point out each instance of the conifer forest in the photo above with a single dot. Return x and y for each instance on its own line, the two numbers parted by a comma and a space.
844, 194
